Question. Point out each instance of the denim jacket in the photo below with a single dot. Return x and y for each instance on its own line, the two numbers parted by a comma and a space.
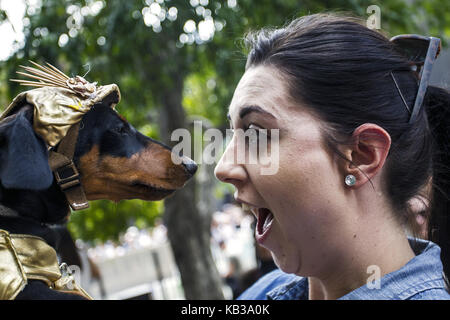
420, 279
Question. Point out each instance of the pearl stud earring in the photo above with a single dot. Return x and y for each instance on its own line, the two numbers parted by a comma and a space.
350, 180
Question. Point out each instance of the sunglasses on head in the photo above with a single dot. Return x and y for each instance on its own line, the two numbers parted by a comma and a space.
421, 52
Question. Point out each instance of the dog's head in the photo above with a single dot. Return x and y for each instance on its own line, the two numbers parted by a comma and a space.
118, 162
115, 160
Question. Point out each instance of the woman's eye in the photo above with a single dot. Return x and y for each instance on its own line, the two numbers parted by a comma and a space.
252, 126
257, 129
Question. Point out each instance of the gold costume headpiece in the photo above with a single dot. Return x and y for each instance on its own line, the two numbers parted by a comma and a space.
59, 101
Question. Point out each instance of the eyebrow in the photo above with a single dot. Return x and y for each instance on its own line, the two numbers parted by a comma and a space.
249, 109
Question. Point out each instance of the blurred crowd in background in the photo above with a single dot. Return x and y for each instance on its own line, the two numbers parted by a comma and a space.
141, 265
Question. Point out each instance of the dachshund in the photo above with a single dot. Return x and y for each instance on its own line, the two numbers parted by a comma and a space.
114, 160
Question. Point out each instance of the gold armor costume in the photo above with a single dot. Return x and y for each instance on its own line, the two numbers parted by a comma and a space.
25, 257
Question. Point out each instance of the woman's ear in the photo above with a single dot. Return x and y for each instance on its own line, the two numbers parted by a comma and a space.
367, 152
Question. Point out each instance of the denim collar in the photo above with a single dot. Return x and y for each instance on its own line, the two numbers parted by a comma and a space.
423, 272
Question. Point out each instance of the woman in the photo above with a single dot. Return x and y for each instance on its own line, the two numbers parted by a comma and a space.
333, 215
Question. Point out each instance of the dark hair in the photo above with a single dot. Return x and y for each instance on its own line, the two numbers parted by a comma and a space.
341, 70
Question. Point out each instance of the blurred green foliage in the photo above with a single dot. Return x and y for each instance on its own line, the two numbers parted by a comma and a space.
113, 42
106, 220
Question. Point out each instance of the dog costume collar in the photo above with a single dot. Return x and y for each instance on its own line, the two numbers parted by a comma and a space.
59, 104
25, 257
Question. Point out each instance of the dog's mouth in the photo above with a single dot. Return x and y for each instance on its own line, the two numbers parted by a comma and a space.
151, 192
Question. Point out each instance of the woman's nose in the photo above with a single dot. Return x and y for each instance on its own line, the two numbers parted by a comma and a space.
228, 170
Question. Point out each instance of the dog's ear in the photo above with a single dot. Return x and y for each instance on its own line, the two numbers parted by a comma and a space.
23, 154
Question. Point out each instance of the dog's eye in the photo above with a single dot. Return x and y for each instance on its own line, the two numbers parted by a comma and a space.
121, 130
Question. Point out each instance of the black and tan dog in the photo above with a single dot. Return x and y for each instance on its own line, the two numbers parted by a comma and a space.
114, 160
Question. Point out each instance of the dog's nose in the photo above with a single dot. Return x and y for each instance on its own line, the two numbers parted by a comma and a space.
189, 165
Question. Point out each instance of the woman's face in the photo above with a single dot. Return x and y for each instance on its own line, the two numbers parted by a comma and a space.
297, 206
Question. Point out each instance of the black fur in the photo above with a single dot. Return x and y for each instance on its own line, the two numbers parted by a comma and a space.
38, 290
114, 135
23, 155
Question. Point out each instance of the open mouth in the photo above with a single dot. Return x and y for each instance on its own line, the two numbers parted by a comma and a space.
151, 192
264, 221
263, 224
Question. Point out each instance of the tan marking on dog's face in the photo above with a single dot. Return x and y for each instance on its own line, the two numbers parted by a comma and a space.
147, 175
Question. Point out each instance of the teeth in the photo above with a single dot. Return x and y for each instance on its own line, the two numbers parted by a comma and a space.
249, 208
268, 221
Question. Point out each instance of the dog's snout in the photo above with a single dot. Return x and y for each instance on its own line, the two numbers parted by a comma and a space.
189, 165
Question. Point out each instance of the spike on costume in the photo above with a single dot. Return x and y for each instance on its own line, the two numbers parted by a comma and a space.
59, 101
59, 104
